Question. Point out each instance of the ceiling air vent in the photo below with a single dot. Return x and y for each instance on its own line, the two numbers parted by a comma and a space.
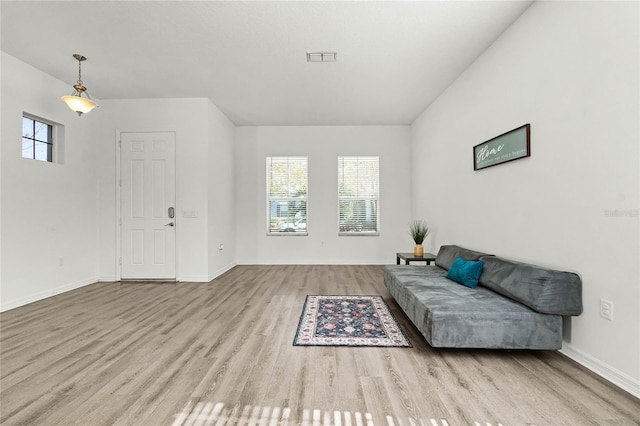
321, 56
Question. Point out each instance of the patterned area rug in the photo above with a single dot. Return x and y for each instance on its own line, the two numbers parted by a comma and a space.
348, 321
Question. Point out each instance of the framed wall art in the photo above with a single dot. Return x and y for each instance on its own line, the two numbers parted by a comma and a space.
509, 146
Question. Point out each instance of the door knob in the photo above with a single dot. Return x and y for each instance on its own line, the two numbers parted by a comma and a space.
170, 224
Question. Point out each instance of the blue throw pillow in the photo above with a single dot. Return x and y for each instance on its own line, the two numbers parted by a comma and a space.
465, 272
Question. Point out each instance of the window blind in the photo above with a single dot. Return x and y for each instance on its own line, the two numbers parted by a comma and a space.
358, 195
287, 195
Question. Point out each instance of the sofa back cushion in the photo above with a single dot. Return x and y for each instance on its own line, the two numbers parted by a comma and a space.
544, 290
449, 253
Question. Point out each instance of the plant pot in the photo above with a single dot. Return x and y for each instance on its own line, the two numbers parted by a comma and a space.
418, 250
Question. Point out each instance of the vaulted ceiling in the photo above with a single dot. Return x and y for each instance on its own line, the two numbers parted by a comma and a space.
393, 58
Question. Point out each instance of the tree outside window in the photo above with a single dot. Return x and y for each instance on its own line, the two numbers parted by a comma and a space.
287, 195
37, 139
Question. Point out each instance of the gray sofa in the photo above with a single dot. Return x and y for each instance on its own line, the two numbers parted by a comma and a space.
515, 305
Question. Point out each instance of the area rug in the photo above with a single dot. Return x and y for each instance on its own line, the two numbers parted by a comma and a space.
348, 321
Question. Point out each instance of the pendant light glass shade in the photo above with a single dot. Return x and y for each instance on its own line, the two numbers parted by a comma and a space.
76, 102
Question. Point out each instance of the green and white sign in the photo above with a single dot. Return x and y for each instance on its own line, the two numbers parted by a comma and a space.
509, 146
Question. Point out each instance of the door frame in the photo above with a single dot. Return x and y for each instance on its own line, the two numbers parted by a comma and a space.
118, 180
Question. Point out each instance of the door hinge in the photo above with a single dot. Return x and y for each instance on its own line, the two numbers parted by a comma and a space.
120, 261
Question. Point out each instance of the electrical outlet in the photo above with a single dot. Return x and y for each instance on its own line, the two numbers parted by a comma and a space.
221, 247
606, 309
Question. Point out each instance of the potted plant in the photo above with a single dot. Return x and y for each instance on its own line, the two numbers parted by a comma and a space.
418, 229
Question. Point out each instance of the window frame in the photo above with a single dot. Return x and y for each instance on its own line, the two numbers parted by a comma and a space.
51, 136
271, 198
342, 198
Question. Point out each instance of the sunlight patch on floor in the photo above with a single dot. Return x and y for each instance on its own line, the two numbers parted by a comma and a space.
216, 414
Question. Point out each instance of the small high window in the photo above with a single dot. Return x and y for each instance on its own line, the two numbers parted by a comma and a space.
37, 139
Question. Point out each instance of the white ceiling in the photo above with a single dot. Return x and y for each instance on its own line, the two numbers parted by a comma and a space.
394, 58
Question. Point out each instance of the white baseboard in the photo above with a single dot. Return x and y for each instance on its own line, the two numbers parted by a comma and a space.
618, 378
44, 294
193, 279
184, 278
314, 262
221, 271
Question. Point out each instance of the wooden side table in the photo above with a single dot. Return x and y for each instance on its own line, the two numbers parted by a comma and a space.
409, 257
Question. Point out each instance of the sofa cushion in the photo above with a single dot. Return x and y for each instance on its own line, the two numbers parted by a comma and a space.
449, 253
544, 290
465, 272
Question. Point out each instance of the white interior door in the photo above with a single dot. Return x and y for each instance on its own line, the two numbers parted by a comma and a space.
147, 203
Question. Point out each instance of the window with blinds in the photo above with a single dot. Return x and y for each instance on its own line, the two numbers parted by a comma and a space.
358, 195
287, 195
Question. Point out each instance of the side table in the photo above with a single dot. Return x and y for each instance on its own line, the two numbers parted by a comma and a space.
409, 257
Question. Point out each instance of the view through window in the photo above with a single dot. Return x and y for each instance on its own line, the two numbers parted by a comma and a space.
358, 192
37, 139
287, 195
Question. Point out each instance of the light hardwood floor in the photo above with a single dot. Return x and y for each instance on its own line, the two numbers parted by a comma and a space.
221, 353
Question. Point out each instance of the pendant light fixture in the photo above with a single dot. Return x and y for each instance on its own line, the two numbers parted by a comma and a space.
76, 102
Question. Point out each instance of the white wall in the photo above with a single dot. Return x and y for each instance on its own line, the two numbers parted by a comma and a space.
49, 236
59, 220
200, 130
322, 145
221, 194
571, 70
